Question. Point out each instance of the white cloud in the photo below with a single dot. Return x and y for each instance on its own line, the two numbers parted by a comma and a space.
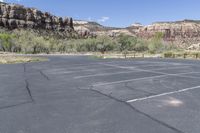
1, 0
103, 19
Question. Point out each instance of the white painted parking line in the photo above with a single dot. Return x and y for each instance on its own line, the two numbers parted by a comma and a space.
84, 70
178, 74
141, 62
103, 74
164, 62
155, 70
81, 65
169, 68
85, 66
69, 72
137, 79
163, 94
97, 63
158, 65
134, 70
136, 67
129, 80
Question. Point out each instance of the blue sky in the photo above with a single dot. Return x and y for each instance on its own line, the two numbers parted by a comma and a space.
119, 13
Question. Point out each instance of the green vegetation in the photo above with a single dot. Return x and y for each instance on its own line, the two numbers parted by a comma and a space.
31, 42
6, 42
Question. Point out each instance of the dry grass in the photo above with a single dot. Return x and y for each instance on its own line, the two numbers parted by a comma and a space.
12, 59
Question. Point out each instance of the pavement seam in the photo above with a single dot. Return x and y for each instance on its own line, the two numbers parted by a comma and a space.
15, 105
44, 75
138, 111
27, 84
24, 66
28, 90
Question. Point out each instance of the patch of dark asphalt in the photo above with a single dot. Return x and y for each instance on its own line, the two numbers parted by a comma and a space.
126, 85
133, 108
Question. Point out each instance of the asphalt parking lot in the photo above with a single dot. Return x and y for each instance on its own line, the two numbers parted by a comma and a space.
81, 94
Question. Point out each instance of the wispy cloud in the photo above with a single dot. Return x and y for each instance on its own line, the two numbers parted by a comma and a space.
1, 0
103, 19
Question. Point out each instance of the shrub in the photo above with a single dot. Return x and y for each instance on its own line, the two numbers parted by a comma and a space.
141, 45
6, 42
155, 44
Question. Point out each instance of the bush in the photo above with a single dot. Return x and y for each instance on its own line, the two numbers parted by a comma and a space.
6, 42
141, 45
155, 44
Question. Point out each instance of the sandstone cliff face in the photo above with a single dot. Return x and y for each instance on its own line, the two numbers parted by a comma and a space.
182, 33
16, 16
85, 28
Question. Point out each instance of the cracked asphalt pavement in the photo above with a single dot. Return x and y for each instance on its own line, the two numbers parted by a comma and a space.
81, 94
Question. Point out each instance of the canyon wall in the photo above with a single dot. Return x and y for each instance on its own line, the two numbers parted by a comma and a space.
17, 16
182, 33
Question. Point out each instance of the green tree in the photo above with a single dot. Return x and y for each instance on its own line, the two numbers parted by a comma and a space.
105, 43
126, 42
141, 45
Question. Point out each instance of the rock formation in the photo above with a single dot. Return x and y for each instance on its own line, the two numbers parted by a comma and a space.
17, 16
95, 29
194, 47
182, 33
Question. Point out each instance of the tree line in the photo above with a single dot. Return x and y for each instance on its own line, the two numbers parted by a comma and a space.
27, 41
